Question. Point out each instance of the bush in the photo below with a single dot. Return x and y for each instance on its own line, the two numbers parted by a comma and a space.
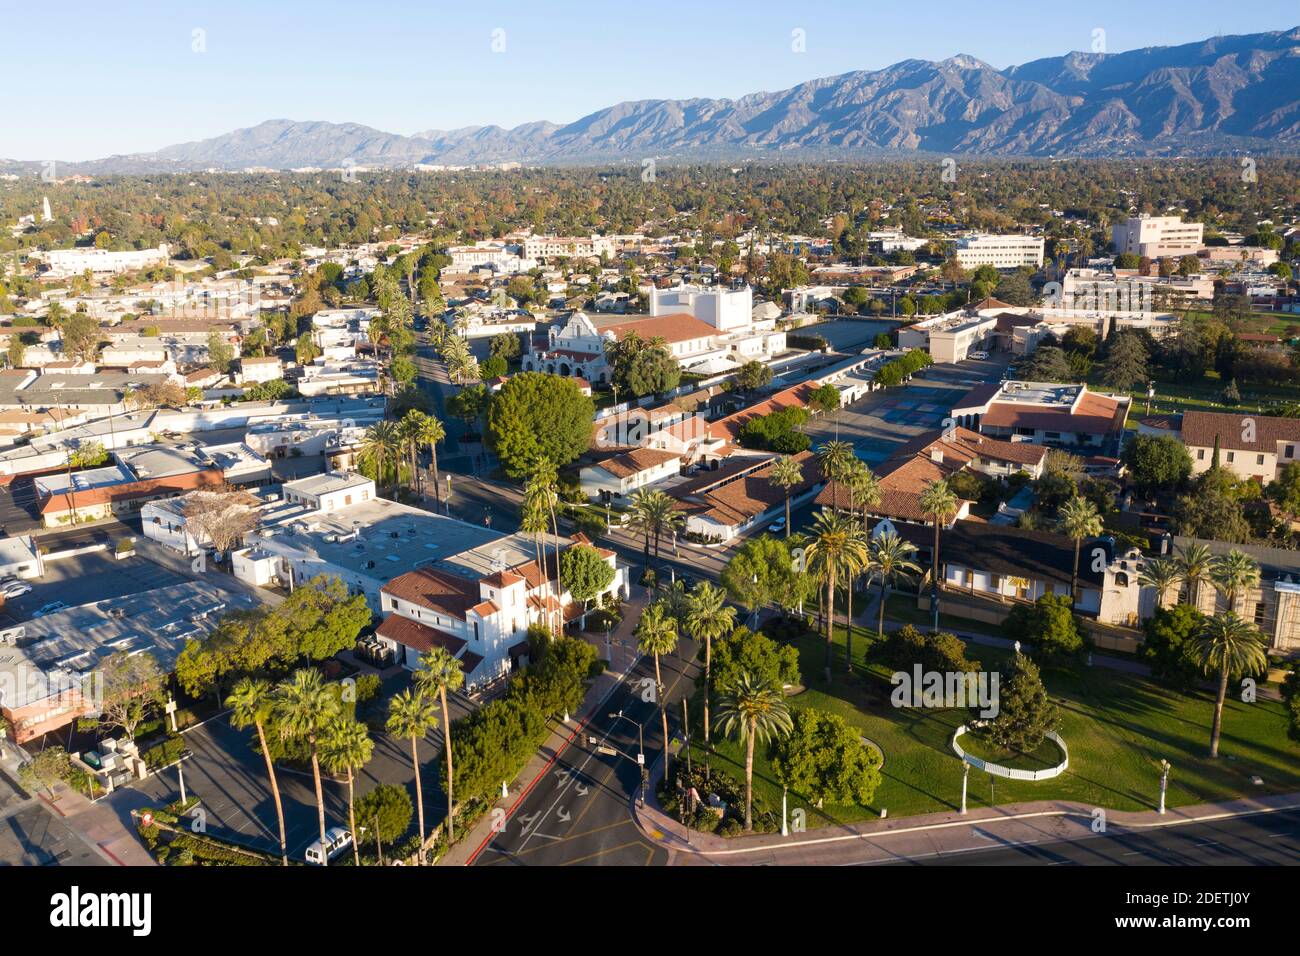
944, 653
1051, 626
164, 753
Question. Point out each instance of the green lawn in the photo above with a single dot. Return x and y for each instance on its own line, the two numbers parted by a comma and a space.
1117, 727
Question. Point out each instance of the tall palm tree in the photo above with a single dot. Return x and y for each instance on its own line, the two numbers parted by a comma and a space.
864, 493
785, 473
707, 619
346, 747
411, 715
408, 428
1078, 519
834, 458
1229, 645
656, 633
250, 704
546, 480
655, 512
1195, 561
303, 707
439, 673
1161, 574
864, 489
430, 432
837, 550
938, 503
1233, 574
533, 520
381, 444
890, 560
752, 710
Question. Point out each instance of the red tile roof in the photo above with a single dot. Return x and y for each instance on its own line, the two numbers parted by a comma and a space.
418, 636
1201, 428
149, 488
678, 327
448, 594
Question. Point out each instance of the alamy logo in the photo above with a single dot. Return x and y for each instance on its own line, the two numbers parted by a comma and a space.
75, 909
946, 689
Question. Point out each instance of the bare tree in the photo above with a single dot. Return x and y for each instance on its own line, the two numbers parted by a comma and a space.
221, 517
132, 687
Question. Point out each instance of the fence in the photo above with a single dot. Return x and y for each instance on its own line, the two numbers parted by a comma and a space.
1011, 773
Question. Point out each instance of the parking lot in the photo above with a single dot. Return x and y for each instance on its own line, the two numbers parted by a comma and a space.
85, 579
880, 421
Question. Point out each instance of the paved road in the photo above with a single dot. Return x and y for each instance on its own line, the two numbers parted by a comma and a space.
1266, 839
578, 812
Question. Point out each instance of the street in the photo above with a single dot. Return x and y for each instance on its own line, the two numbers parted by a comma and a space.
578, 811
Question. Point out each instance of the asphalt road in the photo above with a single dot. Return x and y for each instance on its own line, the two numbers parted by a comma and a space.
578, 812
1265, 839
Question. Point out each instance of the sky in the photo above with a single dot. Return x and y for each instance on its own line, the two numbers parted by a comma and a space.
85, 80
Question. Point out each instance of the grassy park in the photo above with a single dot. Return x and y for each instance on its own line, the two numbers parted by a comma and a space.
1117, 727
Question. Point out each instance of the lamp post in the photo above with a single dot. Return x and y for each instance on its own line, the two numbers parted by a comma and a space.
640, 754
1164, 783
785, 826
965, 775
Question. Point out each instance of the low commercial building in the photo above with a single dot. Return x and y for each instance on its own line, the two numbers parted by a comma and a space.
612, 479
719, 505
1065, 416
50, 672
950, 338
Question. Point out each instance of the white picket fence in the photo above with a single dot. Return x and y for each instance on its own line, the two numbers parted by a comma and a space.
1012, 773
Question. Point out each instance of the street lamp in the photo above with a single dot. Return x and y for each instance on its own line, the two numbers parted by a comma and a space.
1164, 782
640, 755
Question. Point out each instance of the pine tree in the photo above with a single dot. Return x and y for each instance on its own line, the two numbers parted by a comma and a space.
1025, 714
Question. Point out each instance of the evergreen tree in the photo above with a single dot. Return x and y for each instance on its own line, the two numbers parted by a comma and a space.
1025, 714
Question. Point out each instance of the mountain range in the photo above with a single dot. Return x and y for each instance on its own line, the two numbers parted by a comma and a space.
1221, 95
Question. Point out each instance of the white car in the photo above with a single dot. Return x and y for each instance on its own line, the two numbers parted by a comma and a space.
51, 608
979, 356
336, 841
13, 589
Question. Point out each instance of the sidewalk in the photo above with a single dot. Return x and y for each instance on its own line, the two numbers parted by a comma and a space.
932, 834
97, 824
624, 659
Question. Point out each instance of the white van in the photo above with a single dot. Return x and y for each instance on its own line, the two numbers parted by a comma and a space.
337, 839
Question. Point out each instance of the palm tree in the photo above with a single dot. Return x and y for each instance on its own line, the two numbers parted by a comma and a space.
938, 503
1078, 519
381, 444
656, 633
1161, 574
1229, 645
834, 458
1194, 563
533, 515
752, 710
655, 512
890, 560
250, 704
440, 672
1234, 573
303, 707
408, 428
411, 715
864, 489
346, 747
837, 550
864, 492
430, 432
785, 473
707, 619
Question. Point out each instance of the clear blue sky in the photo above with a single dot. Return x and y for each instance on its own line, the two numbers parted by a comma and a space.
87, 79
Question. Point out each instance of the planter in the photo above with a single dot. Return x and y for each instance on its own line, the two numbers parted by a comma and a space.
124, 554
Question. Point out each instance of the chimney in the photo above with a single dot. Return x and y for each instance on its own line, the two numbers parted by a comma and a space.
936, 456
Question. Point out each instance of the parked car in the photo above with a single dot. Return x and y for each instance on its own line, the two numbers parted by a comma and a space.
337, 839
980, 356
13, 589
51, 608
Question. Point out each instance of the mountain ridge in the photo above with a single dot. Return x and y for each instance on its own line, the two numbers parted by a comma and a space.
1216, 96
